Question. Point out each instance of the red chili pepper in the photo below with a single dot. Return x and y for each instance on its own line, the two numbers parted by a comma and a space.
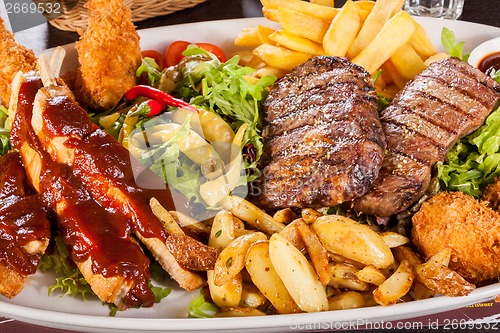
163, 98
149, 108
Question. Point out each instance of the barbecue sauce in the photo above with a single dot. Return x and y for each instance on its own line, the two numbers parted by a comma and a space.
23, 218
489, 63
104, 165
89, 230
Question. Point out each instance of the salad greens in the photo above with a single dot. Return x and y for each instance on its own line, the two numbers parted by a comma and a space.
200, 308
450, 44
4, 131
474, 161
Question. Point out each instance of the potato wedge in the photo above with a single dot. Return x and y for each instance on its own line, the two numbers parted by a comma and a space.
297, 275
228, 294
164, 216
394, 34
252, 297
302, 25
237, 311
292, 234
344, 275
381, 12
352, 240
370, 274
296, 43
346, 300
442, 257
394, 239
316, 251
189, 222
309, 215
343, 30
284, 216
261, 270
396, 286
222, 231
406, 253
442, 280
251, 214
232, 258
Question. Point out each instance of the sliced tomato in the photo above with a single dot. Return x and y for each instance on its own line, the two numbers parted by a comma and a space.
214, 49
173, 54
155, 55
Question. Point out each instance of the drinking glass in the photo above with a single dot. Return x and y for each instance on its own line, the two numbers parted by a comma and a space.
448, 9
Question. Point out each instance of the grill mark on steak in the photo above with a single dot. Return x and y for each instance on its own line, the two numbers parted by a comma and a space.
323, 142
417, 136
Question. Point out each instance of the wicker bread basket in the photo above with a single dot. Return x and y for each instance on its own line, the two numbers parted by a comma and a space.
77, 17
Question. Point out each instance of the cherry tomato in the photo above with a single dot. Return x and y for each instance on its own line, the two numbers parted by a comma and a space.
155, 55
173, 54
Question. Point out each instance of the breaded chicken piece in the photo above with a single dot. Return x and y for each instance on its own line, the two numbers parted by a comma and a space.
108, 53
13, 58
492, 194
467, 226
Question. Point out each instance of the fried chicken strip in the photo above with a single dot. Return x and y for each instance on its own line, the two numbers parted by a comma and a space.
467, 226
114, 266
109, 55
24, 226
13, 58
104, 166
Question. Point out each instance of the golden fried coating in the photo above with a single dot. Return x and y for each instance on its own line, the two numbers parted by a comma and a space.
467, 226
13, 58
108, 53
492, 194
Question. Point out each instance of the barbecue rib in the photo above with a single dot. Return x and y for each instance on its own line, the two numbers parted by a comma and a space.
113, 265
104, 167
444, 103
24, 226
323, 141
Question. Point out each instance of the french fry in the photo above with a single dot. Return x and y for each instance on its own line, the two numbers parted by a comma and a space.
248, 37
352, 240
394, 34
228, 294
370, 274
232, 258
261, 270
263, 33
396, 77
280, 57
316, 251
394, 239
365, 8
296, 43
407, 62
251, 214
396, 286
302, 25
325, 13
346, 300
344, 275
343, 30
269, 70
381, 12
329, 3
421, 42
297, 275
436, 57
270, 13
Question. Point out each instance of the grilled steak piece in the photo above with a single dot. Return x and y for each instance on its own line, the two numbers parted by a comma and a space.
447, 101
323, 141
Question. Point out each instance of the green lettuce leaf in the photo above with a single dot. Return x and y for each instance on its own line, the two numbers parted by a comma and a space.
451, 45
474, 161
4, 131
150, 68
200, 308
